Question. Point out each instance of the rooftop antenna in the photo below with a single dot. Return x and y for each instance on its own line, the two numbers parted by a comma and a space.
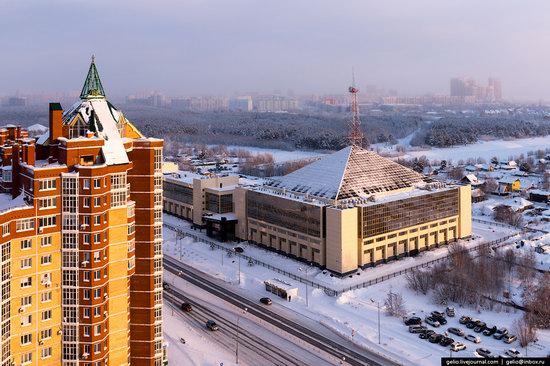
355, 134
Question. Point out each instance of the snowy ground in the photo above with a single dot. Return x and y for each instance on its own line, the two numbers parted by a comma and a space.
279, 155
354, 311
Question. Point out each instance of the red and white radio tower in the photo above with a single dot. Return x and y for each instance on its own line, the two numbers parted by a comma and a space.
355, 134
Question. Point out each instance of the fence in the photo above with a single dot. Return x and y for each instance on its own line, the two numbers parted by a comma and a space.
329, 291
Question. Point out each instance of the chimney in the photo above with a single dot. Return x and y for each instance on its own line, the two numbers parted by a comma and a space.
56, 122
29, 154
15, 178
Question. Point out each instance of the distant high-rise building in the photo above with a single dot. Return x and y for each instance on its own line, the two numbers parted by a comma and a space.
243, 104
463, 87
497, 88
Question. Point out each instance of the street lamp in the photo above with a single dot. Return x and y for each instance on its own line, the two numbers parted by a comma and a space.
378, 304
239, 261
237, 345
305, 270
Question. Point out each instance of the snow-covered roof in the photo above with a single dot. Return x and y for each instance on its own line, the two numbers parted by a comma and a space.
352, 172
540, 192
37, 127
508, 180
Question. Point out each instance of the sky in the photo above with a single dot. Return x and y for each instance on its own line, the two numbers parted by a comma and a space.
193, 47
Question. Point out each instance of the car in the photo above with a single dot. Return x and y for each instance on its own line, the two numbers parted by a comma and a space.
480, 327
186, 307
238, 249
182, 340
484, 352
165, 286
450, 311
472, 338
442, 320
500, 333
489, 331
457, 331
426, 334
446, 341
437, 314
414, 320
508, 338
211, 325
266, 301
432, 321
417, 328
464, 319
512, 352
436, 338
458, 346
472, 323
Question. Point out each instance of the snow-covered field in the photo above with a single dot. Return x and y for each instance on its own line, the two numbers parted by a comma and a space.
354, 311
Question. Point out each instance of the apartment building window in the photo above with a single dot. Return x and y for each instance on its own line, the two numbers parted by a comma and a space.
45, 334
86, 294
97, 311
158, 198
131, 228
86, 331
97, 256
46, 296
158, 215
97, 220
26, 320
86, 275
131, 210
158, 160
46, 278
118, 198
97, 347
46, 315
85, 257
46, 259
86, 183
97, 330
158, 232
5, 229
26, 263
97, 201
131, 262
26, 244
24, 224
97, 293
45, 241
27, 282
47, 221
97, 238
46, 352
26, 339
26, 301
47, 184
49, 202
158, 265
97, 183
86, 220
97, 275
86, 312
26, 358
6, 175
86, 202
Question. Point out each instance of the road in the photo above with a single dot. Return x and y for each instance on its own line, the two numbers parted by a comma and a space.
332, 346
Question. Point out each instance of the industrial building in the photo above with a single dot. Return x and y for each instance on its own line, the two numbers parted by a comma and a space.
81, 239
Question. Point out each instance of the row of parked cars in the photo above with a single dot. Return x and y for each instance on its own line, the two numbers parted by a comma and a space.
436, 319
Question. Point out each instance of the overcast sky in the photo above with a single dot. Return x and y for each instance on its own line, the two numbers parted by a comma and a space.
217, 47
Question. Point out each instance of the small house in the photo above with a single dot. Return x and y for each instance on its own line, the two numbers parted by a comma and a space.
472, 180
508, 185
537, 195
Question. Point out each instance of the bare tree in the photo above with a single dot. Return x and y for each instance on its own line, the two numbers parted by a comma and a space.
456, 173
539, 311
419, 281
490, 185
395, 304
525, 331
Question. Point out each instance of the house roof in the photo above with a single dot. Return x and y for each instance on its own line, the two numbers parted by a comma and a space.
352, 172
92, 85
508, 180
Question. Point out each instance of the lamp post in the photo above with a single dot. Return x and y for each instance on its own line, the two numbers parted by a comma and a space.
378, 305
307, 291
237, 344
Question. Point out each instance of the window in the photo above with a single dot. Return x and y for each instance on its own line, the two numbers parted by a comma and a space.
86, 202
158, 160
97, 330
46, 259
48, 202
26, 358
86, 220
46, 352
5, 229
97, 238
45, 334
97, 347
86, 331
86, 276
97, 220
26, 339
97, 201
26, 263
47, 184
86, 238
24, 224
86, 294
97, 183
97, 275
26, 301
46, 296
27, 282
97, 256
97, 311
26, 320
97, 293
86, 312
45, 241
47, 221
46, 278
131, 228
26, 244
86, 183
6, 175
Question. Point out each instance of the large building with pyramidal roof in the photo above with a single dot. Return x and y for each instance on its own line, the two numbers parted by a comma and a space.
81, 221
351, 209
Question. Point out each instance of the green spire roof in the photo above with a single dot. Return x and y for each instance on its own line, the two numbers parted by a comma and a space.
92, 86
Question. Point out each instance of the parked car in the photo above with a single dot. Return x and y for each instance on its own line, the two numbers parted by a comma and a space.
509, 338
457, 331
472, 338
512, 352
480, 327
489, 331
414, 320
436, 338
437, 314
266, 301
458, 346
442, 320
165, 286
464, 319
417, 328
472, 323
484, 352
238, 249
450, 311
500, 333
446, 341
211, 325
186, 307
432, 321
182, 340
426, 334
